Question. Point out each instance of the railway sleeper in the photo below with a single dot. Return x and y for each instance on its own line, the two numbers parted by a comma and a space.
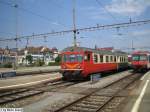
91, 103
70, 111
98, 97
81, 109
87, 105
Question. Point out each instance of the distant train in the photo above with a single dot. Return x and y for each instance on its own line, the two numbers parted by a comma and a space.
81, 62
140, 60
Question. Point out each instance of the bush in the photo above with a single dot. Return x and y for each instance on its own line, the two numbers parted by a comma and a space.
39, 62
7, 65
53, 64
29, 58
58, 59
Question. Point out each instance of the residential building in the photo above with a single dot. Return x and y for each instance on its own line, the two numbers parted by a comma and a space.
42, 53
7, 56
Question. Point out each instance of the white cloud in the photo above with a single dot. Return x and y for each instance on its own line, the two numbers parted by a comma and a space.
128, 7
95, 12
55, 23
140, 33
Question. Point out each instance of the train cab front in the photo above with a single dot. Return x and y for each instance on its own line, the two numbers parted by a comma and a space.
72, 65
139, 62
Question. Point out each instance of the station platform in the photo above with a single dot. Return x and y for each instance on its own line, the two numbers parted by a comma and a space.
22, 69
27, 80
139, 99
9, 72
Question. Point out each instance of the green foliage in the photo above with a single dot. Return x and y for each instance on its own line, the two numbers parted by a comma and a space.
29, 58
53, 64
58, 59
23, 60
39, 62
8, 65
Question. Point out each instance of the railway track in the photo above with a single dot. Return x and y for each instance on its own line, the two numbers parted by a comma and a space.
18, 94
102, 100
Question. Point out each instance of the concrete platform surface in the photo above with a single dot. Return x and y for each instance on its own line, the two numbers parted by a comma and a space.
25, 81
140, 97
24, 69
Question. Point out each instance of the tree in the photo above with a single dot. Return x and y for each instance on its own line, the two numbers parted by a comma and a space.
29, 58
58, 59
39, 62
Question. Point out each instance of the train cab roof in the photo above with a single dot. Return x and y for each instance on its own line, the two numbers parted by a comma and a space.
141, 53
84, 49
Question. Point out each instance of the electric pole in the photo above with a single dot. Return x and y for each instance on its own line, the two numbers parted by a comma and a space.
74, 25
16, 62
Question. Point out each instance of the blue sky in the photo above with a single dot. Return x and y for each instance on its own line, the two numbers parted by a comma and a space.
42, 16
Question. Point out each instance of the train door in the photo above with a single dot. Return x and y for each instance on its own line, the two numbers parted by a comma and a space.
87, 57
87, 62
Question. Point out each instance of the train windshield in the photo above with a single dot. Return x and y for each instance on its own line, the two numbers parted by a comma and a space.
143, 58
139, 58
73, 58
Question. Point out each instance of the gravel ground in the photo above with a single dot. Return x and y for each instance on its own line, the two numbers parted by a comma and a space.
26, 101
55, 100
51, 103
103, 81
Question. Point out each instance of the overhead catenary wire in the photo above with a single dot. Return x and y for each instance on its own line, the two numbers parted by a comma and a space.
94, 28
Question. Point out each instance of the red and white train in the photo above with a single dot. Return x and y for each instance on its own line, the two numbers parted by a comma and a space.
81, 62
140, 60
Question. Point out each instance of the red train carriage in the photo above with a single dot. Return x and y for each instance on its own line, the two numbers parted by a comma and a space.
141, 60
81, 62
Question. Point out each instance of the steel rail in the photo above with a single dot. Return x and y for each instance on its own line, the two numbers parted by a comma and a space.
90, 94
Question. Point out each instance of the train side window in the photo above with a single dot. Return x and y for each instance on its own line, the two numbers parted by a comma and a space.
101, 58
115, 59
95, 58
124, 59
107, 58
118, 59
121, 59
111, 58
87, 57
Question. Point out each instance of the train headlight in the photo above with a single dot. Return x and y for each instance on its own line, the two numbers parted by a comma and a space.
78, 66
64, 67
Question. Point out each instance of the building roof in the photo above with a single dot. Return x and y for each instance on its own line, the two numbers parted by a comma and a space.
36, 50
7, 52
141, 52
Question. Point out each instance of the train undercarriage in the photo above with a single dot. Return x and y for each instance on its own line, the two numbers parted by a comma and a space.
73, 75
